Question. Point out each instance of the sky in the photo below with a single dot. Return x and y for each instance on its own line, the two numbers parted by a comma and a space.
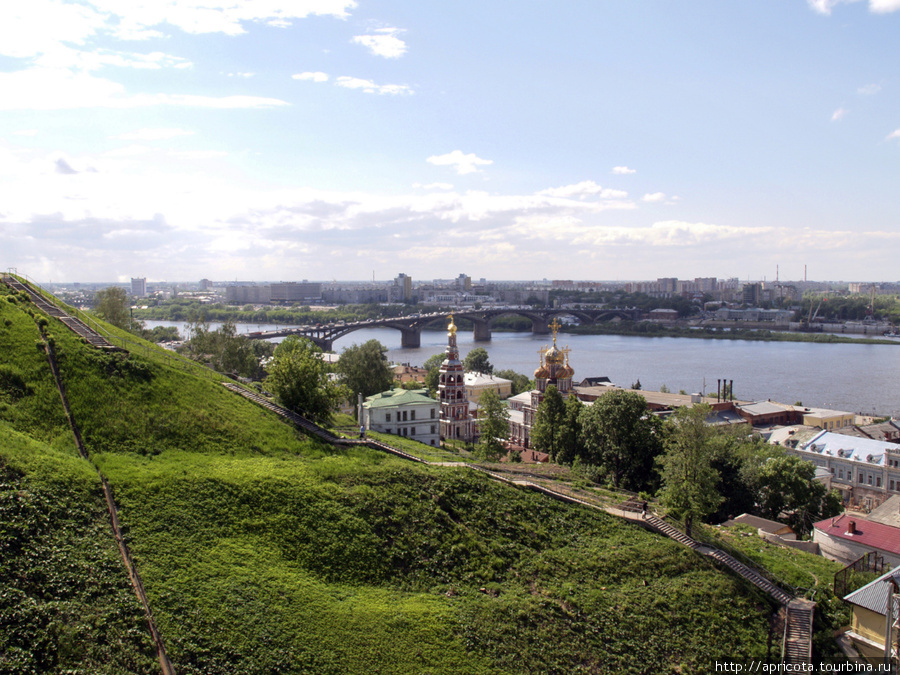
355, 139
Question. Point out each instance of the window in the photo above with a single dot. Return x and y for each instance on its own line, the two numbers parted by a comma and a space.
404, 415
877, 481
387, 431
412, 431
412, 415
432, 413
870, 479
432, 429
892, 485
387, 417
860, 478
840, 473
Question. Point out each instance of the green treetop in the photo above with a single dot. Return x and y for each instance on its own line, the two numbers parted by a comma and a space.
299, 379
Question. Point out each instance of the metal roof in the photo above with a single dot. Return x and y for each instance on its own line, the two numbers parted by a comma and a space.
399, 397
867, 534
874, 595
841, 446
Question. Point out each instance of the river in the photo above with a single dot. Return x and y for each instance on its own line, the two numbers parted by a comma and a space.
852, 377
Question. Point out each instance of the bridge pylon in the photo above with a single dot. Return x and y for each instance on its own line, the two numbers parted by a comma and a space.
540, 326
410, 337
482, 331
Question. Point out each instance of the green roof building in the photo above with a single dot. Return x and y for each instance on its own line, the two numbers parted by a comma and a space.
404, 412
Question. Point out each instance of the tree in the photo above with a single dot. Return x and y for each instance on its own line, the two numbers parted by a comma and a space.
493, 426
364, 369
223, 349
622, 438
787, 488
300, 380
737, 460
433, 378
111, 304
548, 420
688, 477
519, 381
476, 361
569, 437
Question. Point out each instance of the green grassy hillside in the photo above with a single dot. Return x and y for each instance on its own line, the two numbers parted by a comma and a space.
263, 551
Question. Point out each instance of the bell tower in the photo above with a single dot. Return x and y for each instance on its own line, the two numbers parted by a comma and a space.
456, 423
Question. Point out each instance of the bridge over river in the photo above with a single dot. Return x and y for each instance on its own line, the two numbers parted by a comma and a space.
411, 327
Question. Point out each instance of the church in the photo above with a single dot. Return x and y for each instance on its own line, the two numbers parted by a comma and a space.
555, 370
457, 418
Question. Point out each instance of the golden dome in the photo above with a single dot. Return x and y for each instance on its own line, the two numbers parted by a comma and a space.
451, 329
541, 373
555, 356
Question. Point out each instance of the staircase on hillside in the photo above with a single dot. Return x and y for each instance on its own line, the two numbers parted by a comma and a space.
729, 561
74, 324
798, 629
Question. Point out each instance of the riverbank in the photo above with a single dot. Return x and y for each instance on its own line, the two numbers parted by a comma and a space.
651, 329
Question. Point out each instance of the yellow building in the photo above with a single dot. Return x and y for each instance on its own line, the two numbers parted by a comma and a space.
478, 383
828, 420
868, 612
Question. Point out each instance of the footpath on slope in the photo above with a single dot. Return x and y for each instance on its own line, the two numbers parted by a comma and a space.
133, 576
797, 643
97, 341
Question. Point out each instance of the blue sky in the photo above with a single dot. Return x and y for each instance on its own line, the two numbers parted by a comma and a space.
322, 139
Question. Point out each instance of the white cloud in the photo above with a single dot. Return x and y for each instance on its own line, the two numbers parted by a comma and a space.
152, 134
58, 89
894, 134
96, 59
311, 76
869, 89
26, 132
197, 154
623, 170
654, 197
462, 163
587, 188
186, 223
214, 16
370, 87
434, 186
132, 150
883, 6
875, 6
383, 43
245, 75
838, 115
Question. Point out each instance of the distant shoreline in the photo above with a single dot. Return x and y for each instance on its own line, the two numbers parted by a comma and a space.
647, 329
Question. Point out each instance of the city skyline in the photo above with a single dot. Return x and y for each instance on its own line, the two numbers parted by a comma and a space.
322, 139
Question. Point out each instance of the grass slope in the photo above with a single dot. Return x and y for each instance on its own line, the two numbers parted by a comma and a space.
263, 551
65, 602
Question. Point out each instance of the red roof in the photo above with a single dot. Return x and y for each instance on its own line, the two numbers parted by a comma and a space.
866, 533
